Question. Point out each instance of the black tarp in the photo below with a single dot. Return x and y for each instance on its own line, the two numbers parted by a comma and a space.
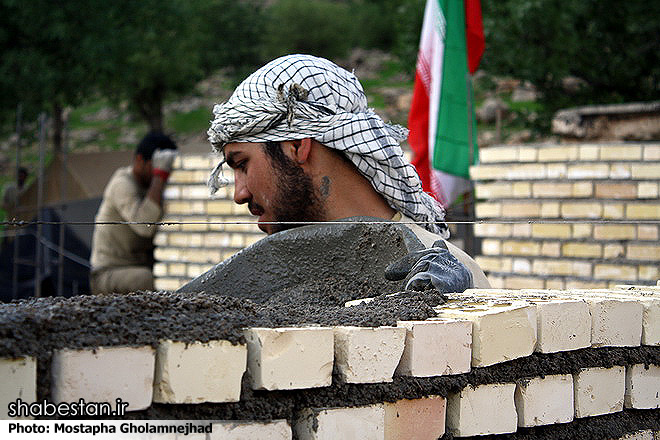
77, 247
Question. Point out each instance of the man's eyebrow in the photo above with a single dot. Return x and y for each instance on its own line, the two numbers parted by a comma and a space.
231, 158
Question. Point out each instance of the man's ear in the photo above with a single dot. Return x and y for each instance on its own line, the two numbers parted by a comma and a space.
301, 150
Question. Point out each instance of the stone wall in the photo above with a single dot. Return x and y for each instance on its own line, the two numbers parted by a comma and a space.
539, 363
569, 216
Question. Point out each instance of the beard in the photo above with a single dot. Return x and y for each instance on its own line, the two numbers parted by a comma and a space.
296, 200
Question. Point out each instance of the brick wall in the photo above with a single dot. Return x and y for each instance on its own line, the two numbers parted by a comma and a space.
193, 243
575, 189
477, 329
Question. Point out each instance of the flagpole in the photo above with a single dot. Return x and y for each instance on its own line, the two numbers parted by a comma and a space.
469, 232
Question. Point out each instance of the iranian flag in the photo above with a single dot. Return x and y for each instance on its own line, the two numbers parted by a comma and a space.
441, 121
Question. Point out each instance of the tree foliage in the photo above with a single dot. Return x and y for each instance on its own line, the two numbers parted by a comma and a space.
609, 44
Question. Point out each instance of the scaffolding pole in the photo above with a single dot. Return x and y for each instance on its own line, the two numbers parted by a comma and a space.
40, 199
19, 134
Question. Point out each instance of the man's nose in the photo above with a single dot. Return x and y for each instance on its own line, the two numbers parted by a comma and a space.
241, 192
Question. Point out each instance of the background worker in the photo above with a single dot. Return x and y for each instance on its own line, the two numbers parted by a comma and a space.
122, 254
304, 146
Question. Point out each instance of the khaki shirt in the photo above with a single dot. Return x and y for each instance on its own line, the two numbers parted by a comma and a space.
120, 244
428, 238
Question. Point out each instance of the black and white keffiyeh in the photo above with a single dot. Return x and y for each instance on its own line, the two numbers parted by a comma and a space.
302, 96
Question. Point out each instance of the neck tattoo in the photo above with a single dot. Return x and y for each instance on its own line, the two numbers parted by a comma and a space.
325, 187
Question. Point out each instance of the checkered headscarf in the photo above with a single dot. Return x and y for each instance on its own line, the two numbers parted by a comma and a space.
301, 96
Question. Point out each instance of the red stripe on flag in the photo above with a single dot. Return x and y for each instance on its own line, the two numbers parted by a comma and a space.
418, 124
474, 33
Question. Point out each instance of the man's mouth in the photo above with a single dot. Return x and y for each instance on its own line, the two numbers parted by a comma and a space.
255, 209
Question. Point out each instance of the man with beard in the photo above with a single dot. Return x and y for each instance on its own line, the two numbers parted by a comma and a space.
305, 147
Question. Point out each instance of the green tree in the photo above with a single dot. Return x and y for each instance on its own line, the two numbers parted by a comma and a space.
611, 45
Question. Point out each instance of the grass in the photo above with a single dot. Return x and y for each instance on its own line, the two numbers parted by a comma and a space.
195, 121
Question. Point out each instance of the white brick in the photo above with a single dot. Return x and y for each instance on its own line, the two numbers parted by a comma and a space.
642, 387
562, 325
19, 381
545, 401
486, 409
290, 358
368, 355
103, 375
199, 372
415, 419
361, 423
639, 435
242, 430
500, 331
599, 391
436, 347
615, 322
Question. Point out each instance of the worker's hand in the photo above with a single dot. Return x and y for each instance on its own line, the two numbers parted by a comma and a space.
432, 268
162, 161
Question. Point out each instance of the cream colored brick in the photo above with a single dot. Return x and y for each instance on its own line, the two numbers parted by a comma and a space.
415, 419
554, 284
170, 223
613, 250
649, 273
196, 162
521, 230
646, 252
583, 189
530, 171
550, 230
193, 192
620, 152
588, 153
588, 171
436, 347
514, 282
199, 372
171, 193
556, 171
168, 284
179, 239
642, 387
201, 255
160, 269
550, 267
614, 232
645, 171
19, 381
552, 190
359, 423
220, 207
561, 153
486, 172
489, 264
492, 230
582, 269
550, 209
545, 401
581, 210
643, 211
491, 247
599, 391
647, 190
521, 209
177, 269
498, 154
290, 358
245, 430
500, 331
488, 210
613, 211
551, 249
103, 375
617, 191
527, 154
493, 190
582, 230
160, 238
615, 272
651, 153
615, 322
368, 355
620, 171
582, 284
562, 325
485, 409
522, 189
510, 247
521, 265
194, 224
582, 250
167, 254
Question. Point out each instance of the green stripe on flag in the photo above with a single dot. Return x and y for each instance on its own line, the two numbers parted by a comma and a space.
451, 150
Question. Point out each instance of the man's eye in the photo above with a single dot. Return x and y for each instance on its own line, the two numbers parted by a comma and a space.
241, 165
